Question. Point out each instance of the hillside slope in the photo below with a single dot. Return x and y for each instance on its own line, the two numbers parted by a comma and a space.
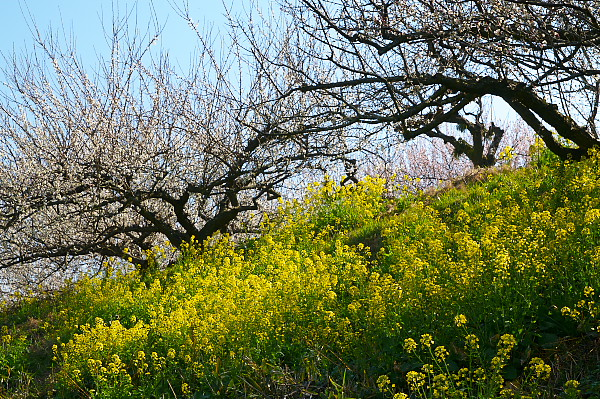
483, 291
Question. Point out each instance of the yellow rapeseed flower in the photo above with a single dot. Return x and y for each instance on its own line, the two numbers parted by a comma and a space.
479, 374
415, 380
460, 320
588, 292
471, 342
171, 353
539, 368
382, 382
427, 340
571, 388
185, 389
410, 345
506, 344
441, 353
427, 368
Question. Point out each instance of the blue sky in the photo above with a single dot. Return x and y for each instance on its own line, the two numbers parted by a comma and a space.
83, 20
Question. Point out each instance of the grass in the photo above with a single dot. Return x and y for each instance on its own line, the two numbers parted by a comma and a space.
484, 290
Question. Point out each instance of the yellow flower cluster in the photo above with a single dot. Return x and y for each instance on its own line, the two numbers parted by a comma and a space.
539, 368
435, 379
586, 311
340, 278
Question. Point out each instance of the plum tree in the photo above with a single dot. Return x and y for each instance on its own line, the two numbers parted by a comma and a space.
418, 67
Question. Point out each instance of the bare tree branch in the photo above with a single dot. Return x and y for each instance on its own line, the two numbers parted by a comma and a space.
412, 65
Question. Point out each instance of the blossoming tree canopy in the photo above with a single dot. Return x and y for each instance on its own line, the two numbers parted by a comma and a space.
114, 161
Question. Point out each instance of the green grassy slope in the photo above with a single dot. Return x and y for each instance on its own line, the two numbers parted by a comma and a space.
483, 291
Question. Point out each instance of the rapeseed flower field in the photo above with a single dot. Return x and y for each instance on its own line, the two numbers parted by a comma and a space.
484, 291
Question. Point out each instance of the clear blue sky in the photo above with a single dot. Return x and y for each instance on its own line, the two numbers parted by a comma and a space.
83, 19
